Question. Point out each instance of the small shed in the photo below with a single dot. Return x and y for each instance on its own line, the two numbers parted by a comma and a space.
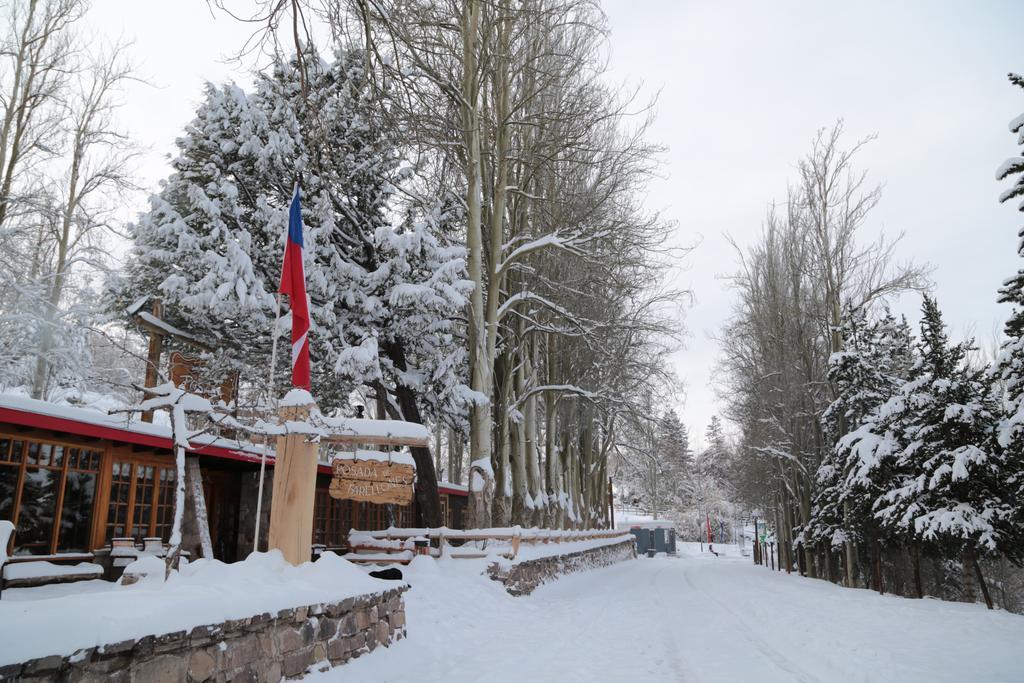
656, 534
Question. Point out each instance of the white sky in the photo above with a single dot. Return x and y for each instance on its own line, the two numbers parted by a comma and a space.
743, 88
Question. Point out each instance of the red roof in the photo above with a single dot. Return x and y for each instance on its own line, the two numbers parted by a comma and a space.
67, 425
86, 422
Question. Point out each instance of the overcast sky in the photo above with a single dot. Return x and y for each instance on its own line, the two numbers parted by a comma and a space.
745, 85
743, 88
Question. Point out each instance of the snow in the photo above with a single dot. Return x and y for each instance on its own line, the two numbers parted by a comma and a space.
394, 457
6, 529
202, 592
149, 566
128, 423
696, 618
535, 551
401, 556
297, 397
35, 570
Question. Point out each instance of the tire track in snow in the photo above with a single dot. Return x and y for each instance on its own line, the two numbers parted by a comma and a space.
772, 654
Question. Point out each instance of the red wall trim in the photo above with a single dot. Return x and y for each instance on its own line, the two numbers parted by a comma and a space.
68, 426
452, 492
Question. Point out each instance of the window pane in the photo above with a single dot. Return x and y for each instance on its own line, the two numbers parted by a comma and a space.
142, 514
36, 515
73, 458
117, 512
58, 456
16, 451
165, 506
8, 487
76, 514
33, 453
45, 450
5, 450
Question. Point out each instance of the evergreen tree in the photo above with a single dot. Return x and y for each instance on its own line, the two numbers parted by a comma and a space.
876, 363
674, 451
1009, 365
384, 291
717, 453
932, 441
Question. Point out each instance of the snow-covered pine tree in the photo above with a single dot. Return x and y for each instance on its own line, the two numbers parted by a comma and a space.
384, 291
1009, 365
717, 453
949, 492
673, 443
875, 365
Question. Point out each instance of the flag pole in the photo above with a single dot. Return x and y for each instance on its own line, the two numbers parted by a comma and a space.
263, 453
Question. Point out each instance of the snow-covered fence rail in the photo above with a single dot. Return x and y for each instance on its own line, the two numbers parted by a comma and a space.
397, 544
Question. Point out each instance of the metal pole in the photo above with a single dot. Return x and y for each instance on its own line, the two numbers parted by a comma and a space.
263, 454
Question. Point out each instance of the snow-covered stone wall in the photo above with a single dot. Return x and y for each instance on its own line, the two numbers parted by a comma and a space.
523, 577
265, 647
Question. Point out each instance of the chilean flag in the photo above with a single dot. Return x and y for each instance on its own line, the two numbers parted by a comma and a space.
293, 283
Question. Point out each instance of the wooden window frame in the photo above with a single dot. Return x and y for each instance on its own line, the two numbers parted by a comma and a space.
127, 454
35, 436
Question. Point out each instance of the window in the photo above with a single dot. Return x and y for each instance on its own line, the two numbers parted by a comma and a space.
332, 520
141, 500
48, 490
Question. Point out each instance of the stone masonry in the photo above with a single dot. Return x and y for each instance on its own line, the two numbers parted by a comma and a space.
522, 578
265, 647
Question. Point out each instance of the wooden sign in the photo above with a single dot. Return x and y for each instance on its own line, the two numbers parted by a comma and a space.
372, 481
187, 373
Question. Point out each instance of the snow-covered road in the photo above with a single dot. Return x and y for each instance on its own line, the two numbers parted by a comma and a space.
692, 618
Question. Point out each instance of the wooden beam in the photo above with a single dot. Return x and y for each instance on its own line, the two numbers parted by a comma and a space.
156, 345
291, 509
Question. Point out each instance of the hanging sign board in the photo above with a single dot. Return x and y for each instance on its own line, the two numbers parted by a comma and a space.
372, 481
186, 373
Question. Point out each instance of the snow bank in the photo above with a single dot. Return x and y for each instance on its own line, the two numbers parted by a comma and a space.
529, 552
35, 570
203, 592
6, 529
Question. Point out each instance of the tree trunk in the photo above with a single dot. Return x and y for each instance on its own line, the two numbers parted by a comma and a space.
982, 584
969, 558
915, 558
428, 501
479, 362
533, 480
877, 583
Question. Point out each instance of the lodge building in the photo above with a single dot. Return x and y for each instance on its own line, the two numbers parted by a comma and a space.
73, 479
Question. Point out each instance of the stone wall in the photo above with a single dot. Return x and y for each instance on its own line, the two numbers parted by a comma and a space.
266, 647
522, 578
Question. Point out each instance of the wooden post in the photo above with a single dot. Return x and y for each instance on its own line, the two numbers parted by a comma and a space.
156, 345
291, 511
757, 545
611, 503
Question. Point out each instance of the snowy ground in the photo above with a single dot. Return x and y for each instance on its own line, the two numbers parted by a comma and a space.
692, 618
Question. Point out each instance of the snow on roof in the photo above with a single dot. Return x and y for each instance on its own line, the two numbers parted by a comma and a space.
123, 422
462, 488
319, 425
